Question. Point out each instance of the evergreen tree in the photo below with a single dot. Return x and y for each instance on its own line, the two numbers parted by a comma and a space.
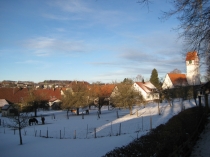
154, 78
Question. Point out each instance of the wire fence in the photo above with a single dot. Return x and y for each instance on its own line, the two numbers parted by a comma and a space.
88, 132
142, 125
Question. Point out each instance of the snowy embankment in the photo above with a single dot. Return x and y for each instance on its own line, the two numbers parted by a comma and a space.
91, 136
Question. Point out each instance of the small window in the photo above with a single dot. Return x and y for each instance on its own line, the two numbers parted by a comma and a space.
190, 61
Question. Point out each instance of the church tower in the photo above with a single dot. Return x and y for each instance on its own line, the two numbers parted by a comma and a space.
192, 65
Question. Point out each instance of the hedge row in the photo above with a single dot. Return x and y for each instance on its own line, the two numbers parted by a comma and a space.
167, 138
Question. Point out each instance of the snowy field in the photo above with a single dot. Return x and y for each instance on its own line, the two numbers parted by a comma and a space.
88, 137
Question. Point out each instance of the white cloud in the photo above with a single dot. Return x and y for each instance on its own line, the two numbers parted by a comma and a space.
29, 62
44, 46
89, 13
73, 6
55, 17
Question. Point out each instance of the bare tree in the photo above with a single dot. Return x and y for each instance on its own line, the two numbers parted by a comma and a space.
194, 27
97, 96
33, 101
139, 78
126, 96
75, 98
176, 71
19, 121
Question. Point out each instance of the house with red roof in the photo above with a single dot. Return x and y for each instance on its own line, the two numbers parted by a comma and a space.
147, 90
3, 102
102, 92
192, 77
174, 80
20, 95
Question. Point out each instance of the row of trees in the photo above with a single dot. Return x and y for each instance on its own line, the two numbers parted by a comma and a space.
82, 95
122, 95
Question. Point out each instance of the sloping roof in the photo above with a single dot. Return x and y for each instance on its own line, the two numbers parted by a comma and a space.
53, 99
13, 95
5, 107
17, 95
102, 90
178, 79
191, 56
146, 86
149, 85
106, 90
47, 94
3, 102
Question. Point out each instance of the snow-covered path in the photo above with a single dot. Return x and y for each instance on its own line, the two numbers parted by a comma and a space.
202, 147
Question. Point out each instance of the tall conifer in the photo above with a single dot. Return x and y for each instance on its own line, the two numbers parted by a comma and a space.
154, 78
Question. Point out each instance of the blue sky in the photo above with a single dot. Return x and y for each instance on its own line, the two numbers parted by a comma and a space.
90, 40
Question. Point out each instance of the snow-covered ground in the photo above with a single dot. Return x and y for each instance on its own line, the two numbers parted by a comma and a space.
76, 136
202, 147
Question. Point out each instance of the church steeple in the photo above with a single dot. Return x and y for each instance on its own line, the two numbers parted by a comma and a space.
192, 66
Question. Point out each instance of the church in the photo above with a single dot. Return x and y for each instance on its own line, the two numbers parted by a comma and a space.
192, 77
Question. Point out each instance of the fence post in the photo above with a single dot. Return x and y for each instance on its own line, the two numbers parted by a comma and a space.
120, 129
95, 132
199, 97
87, 131
111, 129
206, 102
25, 131
47, 132
150, 122
75, 134
159, 106
142, 123
137, 113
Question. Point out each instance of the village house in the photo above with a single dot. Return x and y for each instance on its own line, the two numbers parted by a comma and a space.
147, 90
19, 96
9, 110
3, 102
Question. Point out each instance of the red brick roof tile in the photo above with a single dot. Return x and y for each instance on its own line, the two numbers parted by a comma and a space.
178, 79
17, 95
191, 56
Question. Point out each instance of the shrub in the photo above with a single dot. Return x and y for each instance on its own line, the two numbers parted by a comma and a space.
165, 139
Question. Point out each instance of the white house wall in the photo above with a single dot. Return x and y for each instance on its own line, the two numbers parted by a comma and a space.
146, 96
193, 72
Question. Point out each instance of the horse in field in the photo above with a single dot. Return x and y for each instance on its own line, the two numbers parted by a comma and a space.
33, 121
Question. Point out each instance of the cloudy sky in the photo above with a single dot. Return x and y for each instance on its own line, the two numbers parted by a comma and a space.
90, 40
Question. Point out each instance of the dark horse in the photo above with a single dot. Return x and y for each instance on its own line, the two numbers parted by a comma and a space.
33, 121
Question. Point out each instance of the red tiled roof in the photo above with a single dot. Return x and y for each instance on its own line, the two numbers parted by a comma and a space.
106, 90
102, 90
17, 95
178, 79
191, 56
75, 84
47, 94
13, 95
